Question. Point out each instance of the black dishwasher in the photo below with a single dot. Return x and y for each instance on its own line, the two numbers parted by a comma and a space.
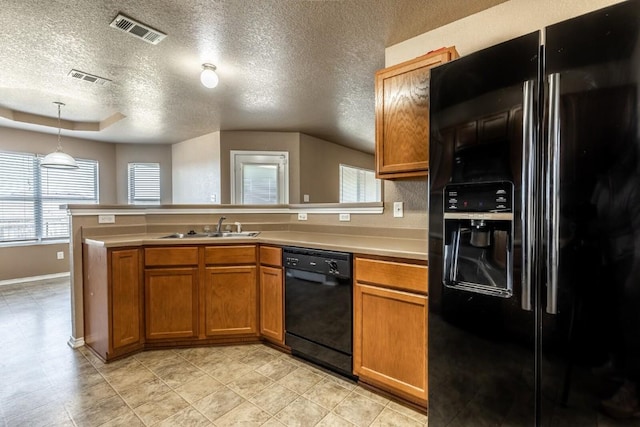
318, 307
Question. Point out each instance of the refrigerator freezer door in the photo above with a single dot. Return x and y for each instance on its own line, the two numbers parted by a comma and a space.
481, 345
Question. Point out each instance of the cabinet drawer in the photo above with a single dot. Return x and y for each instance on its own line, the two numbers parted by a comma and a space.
271, 255
408, 277
230, 254
170, 256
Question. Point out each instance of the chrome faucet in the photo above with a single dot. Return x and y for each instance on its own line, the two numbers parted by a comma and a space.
219, 226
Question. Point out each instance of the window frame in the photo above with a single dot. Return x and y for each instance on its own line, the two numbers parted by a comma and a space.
241, 157
44, 189
378, 183
132, 183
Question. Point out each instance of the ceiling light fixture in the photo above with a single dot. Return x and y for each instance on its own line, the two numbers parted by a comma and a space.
208, 77
58, 159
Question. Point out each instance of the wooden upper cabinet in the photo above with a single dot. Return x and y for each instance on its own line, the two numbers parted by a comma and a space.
402, 116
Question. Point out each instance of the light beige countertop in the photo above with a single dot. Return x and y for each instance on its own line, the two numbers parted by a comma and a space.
415, 249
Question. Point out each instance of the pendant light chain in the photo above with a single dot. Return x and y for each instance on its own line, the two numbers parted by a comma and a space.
59, 127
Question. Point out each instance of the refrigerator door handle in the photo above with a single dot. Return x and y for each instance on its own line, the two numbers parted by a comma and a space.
528, 191
552, 210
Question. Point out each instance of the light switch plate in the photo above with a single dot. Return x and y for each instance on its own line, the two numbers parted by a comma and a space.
398, 209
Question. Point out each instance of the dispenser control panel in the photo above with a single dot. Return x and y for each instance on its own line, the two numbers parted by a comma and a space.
479, 197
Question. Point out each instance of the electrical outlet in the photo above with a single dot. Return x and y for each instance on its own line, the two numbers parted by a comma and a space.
60, 255
302, 216
398, 209
106, 219
344, 217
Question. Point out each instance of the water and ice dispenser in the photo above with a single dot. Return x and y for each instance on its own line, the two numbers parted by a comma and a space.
478, 237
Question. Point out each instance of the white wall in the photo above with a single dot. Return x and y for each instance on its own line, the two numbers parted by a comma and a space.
196, 170
492, 26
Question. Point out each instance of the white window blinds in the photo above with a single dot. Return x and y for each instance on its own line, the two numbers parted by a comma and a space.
30, 197
358, 185
144, 183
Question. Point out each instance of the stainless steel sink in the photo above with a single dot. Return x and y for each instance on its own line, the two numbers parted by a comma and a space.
225, 234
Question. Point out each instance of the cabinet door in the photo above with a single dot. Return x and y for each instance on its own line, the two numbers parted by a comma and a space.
402, 116
171, 303
231, 301
271, 304
390, 340
126, 297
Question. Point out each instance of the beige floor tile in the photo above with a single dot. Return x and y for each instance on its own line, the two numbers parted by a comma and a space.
391, 418
245, 414
327, 394
333, 420
186, 417
250, 384
149, 357
411, 413
53, 414
300, 380
258, 358
177, 372
129, 419
161, 408
87, 397
358, 409
277, 369
215, 405
102, 412
273, 423
124, 378
44, 382
273, 398
198, 388
226, 370
143, 393
301, 413
370, 395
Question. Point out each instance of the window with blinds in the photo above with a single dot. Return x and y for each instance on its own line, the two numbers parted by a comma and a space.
144, 184
30, 196
359, 185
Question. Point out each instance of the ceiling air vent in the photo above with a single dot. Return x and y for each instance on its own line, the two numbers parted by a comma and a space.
137, 29
81, 75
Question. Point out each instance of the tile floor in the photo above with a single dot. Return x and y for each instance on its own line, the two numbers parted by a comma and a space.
43, 382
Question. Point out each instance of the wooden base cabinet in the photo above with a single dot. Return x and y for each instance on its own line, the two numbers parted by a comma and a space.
171, 293
113, 301
171, 296
231, 291
390, 327
271, 295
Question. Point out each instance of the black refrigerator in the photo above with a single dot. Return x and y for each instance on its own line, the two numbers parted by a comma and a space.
534, 229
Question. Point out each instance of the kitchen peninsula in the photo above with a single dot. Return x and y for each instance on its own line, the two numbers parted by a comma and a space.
140, 290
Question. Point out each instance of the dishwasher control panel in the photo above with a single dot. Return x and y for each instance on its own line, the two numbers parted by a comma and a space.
317, 261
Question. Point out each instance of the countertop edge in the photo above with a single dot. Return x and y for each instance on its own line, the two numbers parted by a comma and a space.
364, 245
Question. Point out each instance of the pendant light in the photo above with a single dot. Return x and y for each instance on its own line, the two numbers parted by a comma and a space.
208, 77
58, 159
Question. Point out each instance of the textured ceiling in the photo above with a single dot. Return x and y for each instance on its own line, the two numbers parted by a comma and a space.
284, 65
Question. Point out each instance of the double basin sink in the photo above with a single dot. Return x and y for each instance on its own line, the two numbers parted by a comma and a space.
222, 234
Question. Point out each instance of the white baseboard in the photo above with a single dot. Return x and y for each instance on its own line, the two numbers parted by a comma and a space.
35, 278
75, 342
